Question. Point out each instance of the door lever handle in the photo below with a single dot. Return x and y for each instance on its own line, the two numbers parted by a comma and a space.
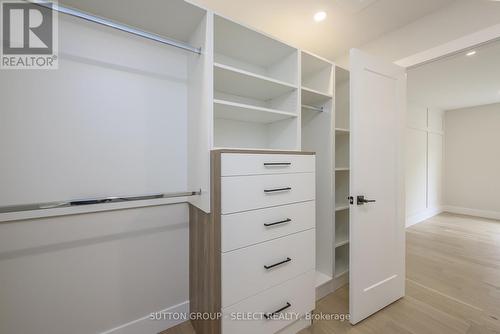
362, 200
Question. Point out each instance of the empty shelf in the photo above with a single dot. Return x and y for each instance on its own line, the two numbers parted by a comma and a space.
249, 47
341, 243
248, 113
340, 207
234, 81
341, 260
341, 228
341, 130
313, 97
312, 65
342, 272
249, 149
341, 169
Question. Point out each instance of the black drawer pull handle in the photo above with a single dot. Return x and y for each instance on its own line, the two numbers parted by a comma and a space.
277, 164
270, 315
278, 264
267, 191
278, 223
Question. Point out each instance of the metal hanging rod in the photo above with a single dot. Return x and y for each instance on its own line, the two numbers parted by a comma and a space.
82, 202
118, 26
305, 106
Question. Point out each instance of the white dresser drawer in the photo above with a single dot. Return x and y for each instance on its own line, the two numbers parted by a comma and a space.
251, 227
298, 293
244, 271
251, 164
242, 193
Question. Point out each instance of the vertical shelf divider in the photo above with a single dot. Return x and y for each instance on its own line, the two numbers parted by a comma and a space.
342, 172
317, 129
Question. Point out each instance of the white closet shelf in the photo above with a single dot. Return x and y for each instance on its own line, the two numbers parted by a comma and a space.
249, 148
340, 207
248, 113
231, 80
341, 243
312, 64
322, 278
342, 272
341, 260
245, 44
342, 169
74, 210
314, 97
341, 130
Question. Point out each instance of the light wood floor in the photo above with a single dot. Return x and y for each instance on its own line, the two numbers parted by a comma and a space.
453, 284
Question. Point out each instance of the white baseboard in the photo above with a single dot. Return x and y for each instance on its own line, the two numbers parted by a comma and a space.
330, 286
340, 281
421, 216
472, 212
324, 290
146, 325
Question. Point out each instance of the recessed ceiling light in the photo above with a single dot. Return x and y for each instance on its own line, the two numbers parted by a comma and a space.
319, 16
471, 53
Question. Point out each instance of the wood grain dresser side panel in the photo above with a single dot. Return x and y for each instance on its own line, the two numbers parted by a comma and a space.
205, 257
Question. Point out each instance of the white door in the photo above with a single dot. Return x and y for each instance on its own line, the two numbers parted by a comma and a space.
377, 234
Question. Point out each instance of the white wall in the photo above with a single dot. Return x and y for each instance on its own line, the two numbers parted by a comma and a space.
108, 122
457, 20
424, 163
93, 272
473, 161
123, 99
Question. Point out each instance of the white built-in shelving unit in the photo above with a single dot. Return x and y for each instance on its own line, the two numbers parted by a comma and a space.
341, 261
341, 227
317, 120
268, 95
256, 93
342, 177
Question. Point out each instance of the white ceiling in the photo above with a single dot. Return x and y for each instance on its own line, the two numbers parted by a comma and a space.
350, 23
458, 81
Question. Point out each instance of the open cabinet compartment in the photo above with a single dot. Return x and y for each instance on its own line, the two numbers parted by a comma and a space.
341, 228
245, 49
256, 101
141, 99
278, 135
342, 174
341, 188
317, 130
342, 104
253, 92
341, 260
316, 82
316, 74
315, 127
341, 150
